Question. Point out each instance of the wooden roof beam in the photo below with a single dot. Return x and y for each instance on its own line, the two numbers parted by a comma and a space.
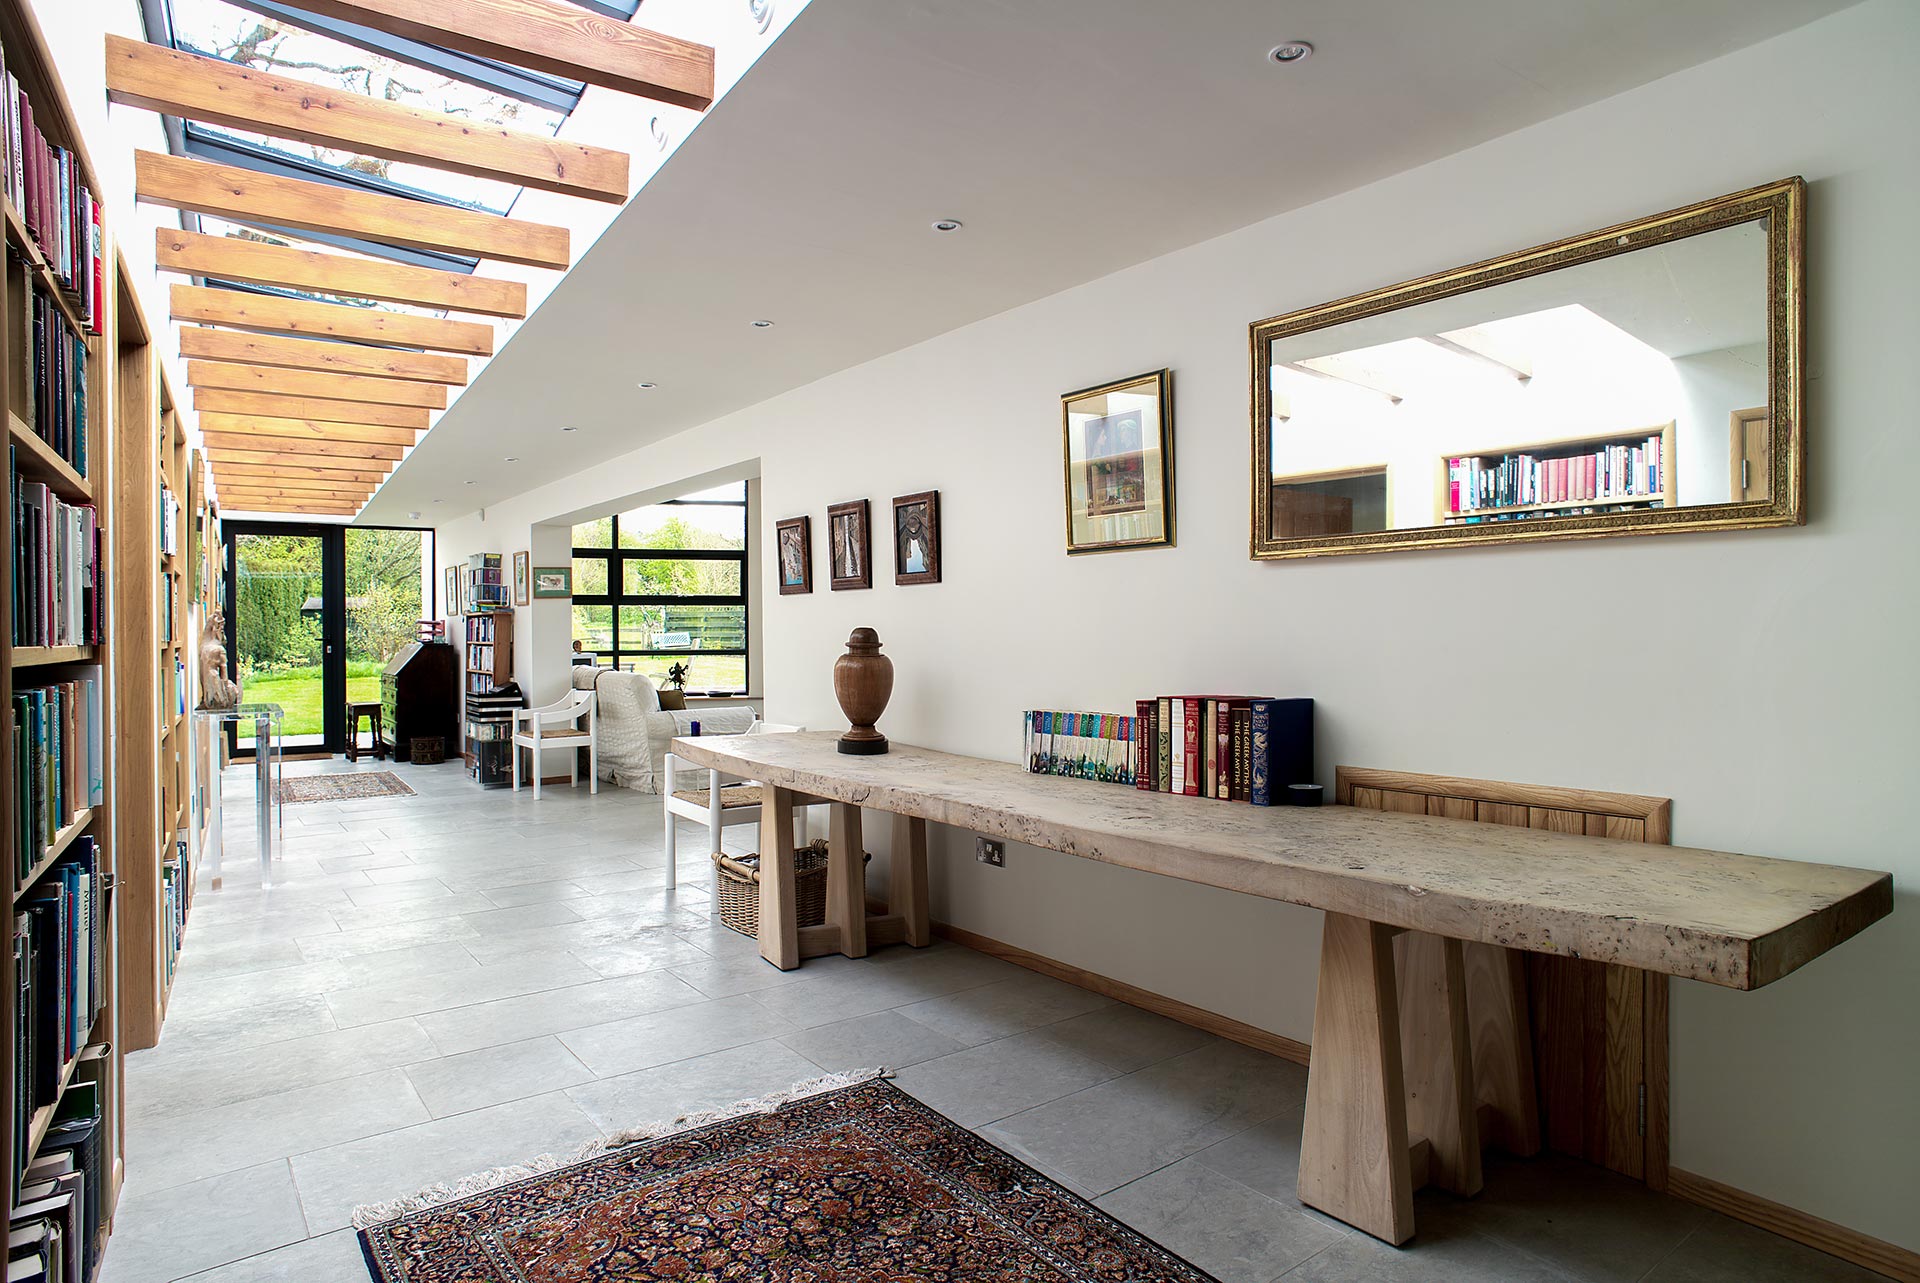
303, 476
303, 318
318, 454
281, 461
558, 38
292, 489
311, 385
218, 92
291, 407
296, 451
317, 354
228, 191
231, 258
1478, 344
305, 429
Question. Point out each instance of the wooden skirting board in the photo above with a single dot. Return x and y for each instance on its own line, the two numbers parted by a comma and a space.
1863, 1250
1802, 1227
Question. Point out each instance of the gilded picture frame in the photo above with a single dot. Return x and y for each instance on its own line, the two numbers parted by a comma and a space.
1780, 206
1116, 446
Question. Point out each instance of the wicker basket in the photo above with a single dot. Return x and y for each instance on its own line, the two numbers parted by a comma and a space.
739, 888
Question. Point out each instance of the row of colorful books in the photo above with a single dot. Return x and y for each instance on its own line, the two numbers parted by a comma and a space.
1611, 473
1240, 748
43, 183
56, 382
56, 581
177, 881
59, 750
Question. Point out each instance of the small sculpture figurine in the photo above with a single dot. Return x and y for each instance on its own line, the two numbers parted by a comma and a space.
218, 692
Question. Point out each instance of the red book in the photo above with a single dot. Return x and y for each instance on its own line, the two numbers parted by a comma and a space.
1190, 737
1143, 718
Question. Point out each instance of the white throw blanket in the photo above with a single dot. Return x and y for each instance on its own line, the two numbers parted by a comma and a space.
635, 731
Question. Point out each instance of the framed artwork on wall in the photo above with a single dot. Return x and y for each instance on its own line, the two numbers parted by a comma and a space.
520, 576
453, 590
916, 538
1117, 444
850, 543
552, 581
793, 538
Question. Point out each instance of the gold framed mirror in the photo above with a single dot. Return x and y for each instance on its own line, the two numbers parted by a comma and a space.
1641, 379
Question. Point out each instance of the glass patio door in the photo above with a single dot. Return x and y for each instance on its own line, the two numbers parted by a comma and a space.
285, 630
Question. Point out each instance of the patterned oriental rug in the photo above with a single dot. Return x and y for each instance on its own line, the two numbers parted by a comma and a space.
341, 787
861, 1184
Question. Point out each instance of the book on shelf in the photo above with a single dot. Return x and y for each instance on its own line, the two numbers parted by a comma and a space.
58, 946
58, 752
1238, 748
70, 1163
169, 522
61, 215
57, 597
1627, 471
55, 381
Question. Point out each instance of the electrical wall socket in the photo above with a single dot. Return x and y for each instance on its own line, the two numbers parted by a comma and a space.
989, 851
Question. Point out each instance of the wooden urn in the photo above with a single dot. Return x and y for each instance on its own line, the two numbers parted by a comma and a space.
863, 682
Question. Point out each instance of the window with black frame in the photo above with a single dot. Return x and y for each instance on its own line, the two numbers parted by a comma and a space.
666, 585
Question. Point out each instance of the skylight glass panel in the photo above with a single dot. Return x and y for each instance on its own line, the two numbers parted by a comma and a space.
218, 29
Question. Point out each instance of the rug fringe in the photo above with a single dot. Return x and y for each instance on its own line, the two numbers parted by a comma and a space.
369, 1215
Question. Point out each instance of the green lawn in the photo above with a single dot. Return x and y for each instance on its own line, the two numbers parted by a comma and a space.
299, 693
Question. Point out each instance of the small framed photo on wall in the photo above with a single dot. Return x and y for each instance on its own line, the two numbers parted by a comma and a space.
552, 581
916, 538
1117, 444
793, 542
453, 590
850, 543
520, 577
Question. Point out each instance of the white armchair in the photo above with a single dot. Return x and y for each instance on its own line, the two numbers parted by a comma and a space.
571, 724
722, 804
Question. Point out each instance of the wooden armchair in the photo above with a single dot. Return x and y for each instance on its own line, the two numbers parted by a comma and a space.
571, 724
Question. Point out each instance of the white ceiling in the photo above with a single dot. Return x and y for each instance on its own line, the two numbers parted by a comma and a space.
1073, 137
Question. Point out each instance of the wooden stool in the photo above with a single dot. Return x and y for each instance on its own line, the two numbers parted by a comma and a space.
371, 711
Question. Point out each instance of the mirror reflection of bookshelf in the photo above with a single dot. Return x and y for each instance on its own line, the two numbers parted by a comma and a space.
1343, 502
1604, 472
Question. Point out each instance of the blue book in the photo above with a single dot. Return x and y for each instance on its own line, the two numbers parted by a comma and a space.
1282, 750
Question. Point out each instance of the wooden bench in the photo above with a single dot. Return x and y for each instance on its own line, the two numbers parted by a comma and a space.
1733, 920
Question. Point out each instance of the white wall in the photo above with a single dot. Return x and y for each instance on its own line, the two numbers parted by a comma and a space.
1774, 694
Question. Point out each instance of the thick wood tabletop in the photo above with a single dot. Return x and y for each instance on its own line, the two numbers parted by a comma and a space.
1736, 920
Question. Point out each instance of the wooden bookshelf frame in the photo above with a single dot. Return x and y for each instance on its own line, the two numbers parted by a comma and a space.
26, 270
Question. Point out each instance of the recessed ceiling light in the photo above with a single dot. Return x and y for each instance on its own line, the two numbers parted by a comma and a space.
512, 458
1291, 52
569, 429
946, 224
763, 325
646, 387
471, 483
439, 500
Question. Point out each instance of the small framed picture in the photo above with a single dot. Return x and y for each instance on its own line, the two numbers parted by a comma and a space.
552, 581
453, 590
850, 542
1117, 444
916, 538
520, 575
793, 538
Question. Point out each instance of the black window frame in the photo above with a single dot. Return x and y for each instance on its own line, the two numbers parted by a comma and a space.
615, 557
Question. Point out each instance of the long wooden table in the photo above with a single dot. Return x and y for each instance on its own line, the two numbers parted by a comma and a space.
1739, 921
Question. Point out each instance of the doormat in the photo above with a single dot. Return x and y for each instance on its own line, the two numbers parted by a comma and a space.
828, 1181
341, 787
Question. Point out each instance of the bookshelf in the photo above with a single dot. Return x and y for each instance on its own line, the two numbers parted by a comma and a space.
150, 462
1640, 461
488, 665
56, 662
